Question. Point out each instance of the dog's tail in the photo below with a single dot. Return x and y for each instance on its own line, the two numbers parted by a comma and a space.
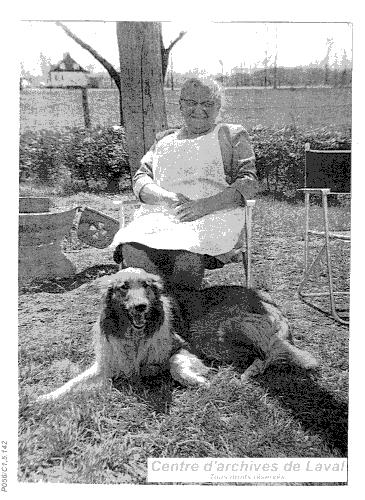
302, 358
282, 348
285, 351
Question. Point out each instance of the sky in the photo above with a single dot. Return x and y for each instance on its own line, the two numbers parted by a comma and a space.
207, 45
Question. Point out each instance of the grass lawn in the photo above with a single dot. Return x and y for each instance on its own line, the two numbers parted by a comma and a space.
302, 107
106, 437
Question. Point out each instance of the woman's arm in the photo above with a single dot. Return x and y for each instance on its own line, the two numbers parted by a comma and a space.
152, 194
144, 186
239, 160
187, 211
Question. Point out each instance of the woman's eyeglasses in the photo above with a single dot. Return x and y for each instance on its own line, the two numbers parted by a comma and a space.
193, 104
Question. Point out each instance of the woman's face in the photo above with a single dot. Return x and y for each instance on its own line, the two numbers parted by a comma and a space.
199, 108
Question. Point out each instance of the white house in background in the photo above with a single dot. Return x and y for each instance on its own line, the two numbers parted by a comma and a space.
67, 73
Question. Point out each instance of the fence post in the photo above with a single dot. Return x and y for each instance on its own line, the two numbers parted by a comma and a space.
85, 107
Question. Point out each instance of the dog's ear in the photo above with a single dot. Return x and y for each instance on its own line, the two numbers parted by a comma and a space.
118, 254
108, 321
155, 280
107, 295
113, 317
104, 282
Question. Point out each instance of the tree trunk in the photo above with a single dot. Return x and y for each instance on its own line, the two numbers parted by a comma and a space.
144, 110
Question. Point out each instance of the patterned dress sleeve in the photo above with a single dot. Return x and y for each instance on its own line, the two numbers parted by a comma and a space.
144, 174
239, 160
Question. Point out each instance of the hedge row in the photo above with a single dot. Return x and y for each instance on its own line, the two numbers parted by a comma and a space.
280, 155
78, 159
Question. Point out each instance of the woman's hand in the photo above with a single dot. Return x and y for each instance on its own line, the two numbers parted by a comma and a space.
187, 211
176, 199
191, 210
152, 194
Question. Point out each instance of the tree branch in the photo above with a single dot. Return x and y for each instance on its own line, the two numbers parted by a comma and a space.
182, 33
109, 67
166, 52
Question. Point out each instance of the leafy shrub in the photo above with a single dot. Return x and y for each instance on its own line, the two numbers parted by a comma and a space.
95, 155
39, 156
81, 159
280, 155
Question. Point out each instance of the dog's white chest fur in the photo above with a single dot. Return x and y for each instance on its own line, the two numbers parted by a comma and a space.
126, 356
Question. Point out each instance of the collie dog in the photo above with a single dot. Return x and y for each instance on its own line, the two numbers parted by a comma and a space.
137, 334
141, 332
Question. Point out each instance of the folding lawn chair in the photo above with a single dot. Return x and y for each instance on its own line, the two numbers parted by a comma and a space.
324, 171
243, 251
95, 228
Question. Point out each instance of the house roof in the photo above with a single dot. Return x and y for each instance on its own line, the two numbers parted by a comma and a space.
67, 64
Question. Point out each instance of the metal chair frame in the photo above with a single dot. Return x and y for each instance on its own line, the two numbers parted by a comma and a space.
244, 251
328, 235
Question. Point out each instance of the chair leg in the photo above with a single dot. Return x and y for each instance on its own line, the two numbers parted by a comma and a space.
329, 264
331, 290
307, 273
246, 268
331, 293
339, 319
247, 256
306, 229
324, 249
328, 254
247, 264
330, 284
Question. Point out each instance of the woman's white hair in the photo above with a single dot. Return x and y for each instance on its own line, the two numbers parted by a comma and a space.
215, 88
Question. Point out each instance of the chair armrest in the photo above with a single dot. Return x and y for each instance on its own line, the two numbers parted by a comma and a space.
315, 190
124, 204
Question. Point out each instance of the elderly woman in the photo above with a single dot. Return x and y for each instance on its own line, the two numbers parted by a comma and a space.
192, 184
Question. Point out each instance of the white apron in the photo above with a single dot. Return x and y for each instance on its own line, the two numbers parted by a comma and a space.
193, 167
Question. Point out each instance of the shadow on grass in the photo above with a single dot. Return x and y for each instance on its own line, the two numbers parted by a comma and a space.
317, 410
343, 312
156, 392
62, 285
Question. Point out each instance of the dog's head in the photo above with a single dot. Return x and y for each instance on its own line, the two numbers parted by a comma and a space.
132, 304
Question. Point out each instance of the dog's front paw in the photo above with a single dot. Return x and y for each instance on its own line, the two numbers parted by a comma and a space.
188, 369
245, 377
257, 368
201, 382
43, 399
46, 397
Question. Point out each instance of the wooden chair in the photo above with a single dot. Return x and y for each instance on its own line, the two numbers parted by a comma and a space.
243, 252
318, 181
